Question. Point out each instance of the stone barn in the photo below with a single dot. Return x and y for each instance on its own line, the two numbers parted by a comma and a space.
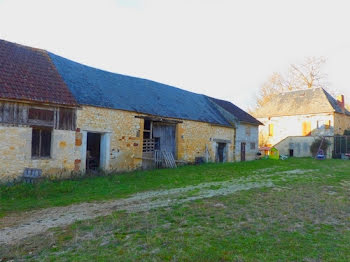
60, 116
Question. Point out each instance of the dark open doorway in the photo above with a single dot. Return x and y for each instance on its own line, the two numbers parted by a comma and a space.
291, 152
93, 151
221, 152
243, 151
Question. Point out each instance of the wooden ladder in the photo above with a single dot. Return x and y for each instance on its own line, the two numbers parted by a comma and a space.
169, 159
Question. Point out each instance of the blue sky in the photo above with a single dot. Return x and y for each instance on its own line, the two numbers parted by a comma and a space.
222, 48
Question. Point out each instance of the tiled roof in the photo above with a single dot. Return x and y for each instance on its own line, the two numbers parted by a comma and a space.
236, 111
307, 101
91, 86
36, 75
28, 74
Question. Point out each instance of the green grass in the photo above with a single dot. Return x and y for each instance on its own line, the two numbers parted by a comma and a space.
23, 197
304, 218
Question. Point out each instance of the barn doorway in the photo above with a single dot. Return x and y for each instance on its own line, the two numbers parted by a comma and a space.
243, 147
221, 152
164, 137
93, 151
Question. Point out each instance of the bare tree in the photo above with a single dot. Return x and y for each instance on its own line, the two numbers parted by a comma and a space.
308, 74
299, 76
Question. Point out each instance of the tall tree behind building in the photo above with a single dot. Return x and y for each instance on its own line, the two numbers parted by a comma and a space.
308, 74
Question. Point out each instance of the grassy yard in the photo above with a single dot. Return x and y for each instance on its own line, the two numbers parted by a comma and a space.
23, 197
302, 214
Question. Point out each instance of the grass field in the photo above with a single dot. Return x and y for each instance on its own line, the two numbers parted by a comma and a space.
293, 210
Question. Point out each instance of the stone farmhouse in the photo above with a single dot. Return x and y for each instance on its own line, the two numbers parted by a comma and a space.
292, 120
60, 116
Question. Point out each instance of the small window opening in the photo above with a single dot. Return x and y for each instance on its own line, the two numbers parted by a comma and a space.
41, 142
40, 114
252, 146
247, 131
147, 128
67, 119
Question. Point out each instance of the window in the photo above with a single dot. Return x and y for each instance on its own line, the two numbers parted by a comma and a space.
271, 129
41, 142
247, 131
147, 129
40, 114
328, 124
306, 128
67, 119
252, 146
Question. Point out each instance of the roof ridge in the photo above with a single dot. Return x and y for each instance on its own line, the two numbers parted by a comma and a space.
25, 46
300, 90
238, 113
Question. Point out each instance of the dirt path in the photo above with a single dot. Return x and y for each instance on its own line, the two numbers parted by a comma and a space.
17, 227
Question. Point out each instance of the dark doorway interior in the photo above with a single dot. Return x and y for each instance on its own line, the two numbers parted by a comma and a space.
221, 152
243, 151
291, 152
93, 151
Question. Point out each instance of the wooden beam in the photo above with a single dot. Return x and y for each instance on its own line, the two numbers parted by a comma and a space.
160, 119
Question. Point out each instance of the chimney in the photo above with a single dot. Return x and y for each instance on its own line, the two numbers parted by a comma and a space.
341, 102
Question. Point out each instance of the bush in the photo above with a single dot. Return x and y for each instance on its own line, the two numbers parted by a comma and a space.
315, 146
347, 132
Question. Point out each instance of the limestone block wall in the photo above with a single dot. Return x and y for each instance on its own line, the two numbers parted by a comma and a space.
341, 123
15, 153
248, 134
285, 126
193, 137
125, 134
124, 149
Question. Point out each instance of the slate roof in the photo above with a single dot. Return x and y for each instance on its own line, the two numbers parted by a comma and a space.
91, 86
28, 74
308, 101
236, 111
36, 75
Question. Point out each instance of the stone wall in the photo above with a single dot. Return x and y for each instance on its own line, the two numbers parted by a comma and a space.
194, 137
125, 133
286, 126
341, 123
15, 153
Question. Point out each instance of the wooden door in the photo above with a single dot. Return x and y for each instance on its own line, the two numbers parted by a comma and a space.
221, 157
243, 151
165, 135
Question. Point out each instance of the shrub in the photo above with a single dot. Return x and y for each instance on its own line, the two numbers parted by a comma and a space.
315, 146
347, 132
